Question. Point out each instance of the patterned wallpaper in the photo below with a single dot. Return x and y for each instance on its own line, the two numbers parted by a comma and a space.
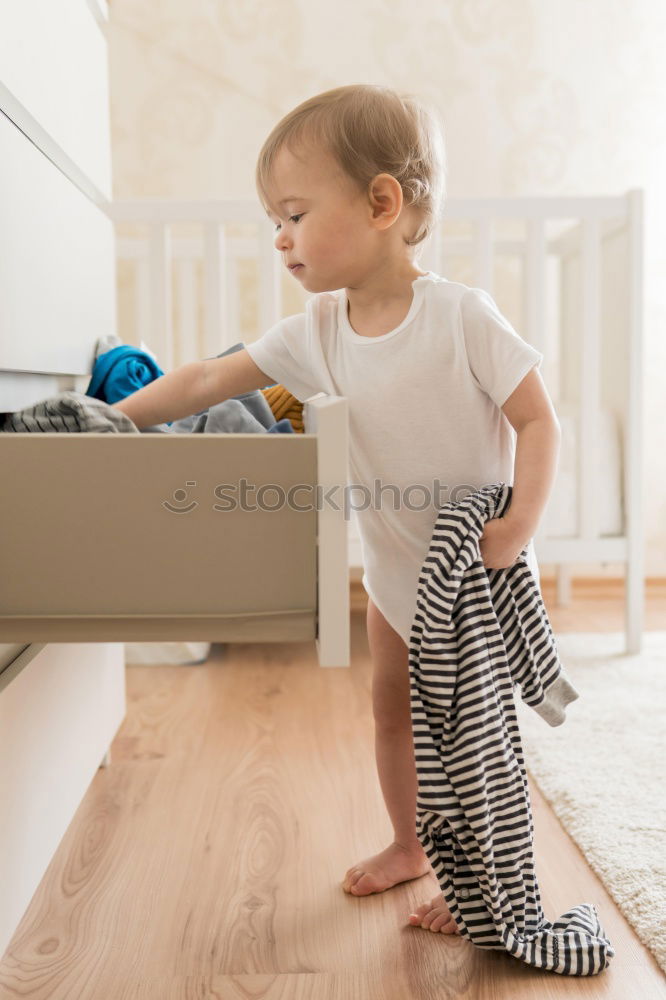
536, 98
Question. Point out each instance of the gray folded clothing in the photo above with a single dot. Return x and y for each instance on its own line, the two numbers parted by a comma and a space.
70, 412
248, 413
228, 417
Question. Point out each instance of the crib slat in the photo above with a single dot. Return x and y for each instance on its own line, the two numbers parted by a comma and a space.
142, 295
483, 254
215, 289
633, 442
188, 348
232, 321
442, 256
429, 258
534, 285
519, 207
589, 388
161, 333
437, 255
270, 281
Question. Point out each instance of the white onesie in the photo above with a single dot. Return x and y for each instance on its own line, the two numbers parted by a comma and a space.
425, 423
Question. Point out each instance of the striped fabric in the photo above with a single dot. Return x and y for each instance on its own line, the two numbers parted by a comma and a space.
476, 634
70, 412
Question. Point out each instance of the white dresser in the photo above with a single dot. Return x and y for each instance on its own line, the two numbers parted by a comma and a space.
60, 703
95, 552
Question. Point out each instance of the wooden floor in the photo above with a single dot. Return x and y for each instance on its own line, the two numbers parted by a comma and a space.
206, 861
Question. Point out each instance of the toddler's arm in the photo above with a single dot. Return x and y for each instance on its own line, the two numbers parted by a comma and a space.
530, 412
193, 387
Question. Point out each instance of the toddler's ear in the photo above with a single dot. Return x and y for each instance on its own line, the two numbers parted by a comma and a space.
385, 196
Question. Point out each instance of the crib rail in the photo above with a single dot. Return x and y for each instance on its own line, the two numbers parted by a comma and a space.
576, 266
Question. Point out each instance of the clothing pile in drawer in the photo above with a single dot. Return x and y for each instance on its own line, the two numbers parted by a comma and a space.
121, 370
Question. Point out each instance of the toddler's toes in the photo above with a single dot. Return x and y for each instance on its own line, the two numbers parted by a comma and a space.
351, 878
444, 923
421, 916
434, 916
362, 883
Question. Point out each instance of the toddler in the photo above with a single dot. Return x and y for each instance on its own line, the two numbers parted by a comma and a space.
443, 394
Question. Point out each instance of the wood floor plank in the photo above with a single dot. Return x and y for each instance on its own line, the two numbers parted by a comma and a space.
206, 861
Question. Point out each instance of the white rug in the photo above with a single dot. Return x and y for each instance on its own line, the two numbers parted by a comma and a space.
602, 770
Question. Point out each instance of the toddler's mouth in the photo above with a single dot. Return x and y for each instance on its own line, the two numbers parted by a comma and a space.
294, 267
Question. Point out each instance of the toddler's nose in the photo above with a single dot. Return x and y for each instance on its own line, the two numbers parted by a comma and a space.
281, 241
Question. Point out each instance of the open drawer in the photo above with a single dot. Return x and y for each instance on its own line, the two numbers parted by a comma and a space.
144, 537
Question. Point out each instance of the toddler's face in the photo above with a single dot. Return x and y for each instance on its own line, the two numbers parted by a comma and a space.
322, 220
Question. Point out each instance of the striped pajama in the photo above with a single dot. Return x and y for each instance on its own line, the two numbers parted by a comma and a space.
475, 635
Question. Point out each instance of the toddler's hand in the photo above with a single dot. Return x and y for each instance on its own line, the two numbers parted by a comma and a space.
499, 545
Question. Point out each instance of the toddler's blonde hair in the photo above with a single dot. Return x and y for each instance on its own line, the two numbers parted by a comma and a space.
369, 130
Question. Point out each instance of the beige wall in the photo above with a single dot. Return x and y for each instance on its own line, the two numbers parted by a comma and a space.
537, 98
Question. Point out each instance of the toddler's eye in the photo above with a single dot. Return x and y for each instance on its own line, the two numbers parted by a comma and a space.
292, 218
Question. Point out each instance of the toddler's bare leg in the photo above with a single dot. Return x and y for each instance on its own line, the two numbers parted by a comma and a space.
404, 859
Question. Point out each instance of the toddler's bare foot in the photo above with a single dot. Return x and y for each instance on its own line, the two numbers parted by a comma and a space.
435, 916
386, 869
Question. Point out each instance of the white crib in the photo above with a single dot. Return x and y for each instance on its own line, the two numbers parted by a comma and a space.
197, 277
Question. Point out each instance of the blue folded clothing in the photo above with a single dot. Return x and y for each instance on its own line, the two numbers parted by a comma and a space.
120, 372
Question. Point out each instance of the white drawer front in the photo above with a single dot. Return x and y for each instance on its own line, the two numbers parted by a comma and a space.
58, 717
57, 267
53, 60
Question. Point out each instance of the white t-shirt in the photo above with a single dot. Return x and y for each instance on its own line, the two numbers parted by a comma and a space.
424, 409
